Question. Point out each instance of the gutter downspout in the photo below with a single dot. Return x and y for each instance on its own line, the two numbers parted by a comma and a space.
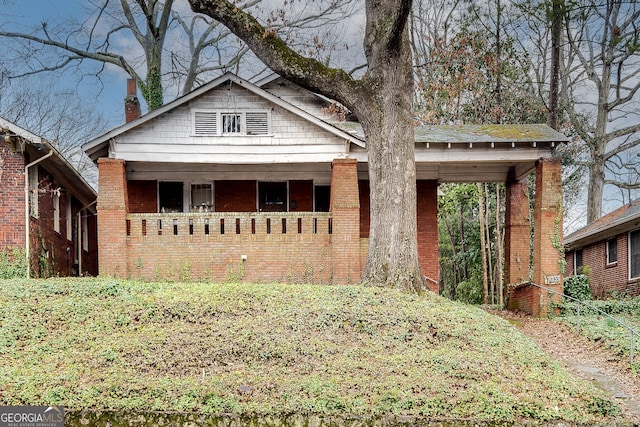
79, 225
27, 223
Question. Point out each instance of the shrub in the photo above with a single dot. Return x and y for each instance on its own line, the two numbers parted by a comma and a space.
578, 287
469, 292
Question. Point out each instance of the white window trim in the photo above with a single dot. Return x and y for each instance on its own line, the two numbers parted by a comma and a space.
34, 192
56, 212
69, 219
187, 192
243, 119
575, 260
85, 232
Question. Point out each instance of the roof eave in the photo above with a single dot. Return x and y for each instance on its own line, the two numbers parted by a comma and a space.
603, 232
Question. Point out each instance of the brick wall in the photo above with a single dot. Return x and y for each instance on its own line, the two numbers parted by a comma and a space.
547, 233
12, 232
235, 196
524, 297
301, 254
517, 233
112, 213
427, 212
605, 279
305, 250
53, 253
345, 209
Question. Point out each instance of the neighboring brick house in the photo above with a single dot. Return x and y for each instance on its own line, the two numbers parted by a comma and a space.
269, 182
610, 247
39, 188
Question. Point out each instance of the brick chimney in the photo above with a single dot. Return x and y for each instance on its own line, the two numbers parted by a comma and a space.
131, 103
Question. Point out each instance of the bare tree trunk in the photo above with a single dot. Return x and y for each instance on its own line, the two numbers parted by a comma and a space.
487, 239
556, 34
383, 102
483, 245
458, 275
498, 118
499, 248
463, 245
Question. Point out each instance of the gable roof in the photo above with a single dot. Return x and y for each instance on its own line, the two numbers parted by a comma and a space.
56, 164
99, 146
621, 220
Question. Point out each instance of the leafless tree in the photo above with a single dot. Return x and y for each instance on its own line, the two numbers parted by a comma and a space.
599, 78
159, 43
60, 116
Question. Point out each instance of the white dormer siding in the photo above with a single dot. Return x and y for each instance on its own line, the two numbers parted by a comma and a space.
229, 125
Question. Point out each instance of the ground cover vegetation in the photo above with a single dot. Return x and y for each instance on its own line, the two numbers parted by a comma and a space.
274, 350
598, 327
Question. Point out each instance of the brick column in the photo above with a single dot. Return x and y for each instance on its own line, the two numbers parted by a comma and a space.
345, 209
427, 210
517, 229
12, 203
547, 234
112, 217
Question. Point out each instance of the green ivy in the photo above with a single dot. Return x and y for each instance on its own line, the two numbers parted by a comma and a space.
578, 287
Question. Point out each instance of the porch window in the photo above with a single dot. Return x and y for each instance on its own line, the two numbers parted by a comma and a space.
612, 251
170, 196
577, 261
272, 197
213, 122
201, 198
634, 254
322, 198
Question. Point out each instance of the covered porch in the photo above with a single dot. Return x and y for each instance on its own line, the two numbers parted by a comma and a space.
316, 230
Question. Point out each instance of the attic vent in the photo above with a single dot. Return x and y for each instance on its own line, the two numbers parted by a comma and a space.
257, 123
206, 123
217, 122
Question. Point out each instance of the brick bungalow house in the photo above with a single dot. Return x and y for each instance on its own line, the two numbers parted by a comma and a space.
46, 208
267, 182
610, 246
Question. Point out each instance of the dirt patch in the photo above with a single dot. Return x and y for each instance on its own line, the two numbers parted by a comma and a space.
585, 359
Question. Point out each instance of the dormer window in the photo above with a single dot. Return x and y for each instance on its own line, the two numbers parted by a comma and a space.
219, 122
231, 123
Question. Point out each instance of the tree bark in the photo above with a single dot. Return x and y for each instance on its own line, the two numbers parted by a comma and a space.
483, 245
556, 34
383, 102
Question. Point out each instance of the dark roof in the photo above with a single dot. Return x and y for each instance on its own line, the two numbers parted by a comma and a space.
623, 219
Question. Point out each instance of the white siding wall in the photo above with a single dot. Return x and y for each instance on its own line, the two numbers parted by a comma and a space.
169, 136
